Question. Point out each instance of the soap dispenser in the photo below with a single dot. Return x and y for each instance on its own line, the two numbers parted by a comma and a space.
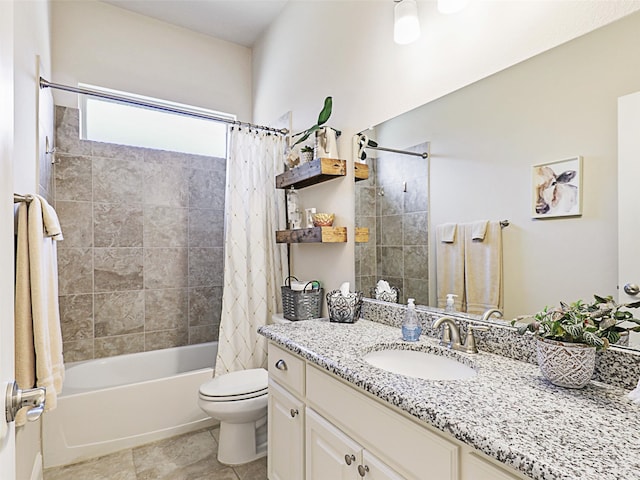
411, 328
450, 306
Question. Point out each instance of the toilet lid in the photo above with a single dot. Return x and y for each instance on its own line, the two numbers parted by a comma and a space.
239, 385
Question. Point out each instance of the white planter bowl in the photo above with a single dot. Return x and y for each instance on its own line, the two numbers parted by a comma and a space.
566, 364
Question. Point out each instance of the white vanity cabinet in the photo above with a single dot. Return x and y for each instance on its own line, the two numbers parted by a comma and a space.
286, 412
476, 467
286, 435
322, 428
332, 455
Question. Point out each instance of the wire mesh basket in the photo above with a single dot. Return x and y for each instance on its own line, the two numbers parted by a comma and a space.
301, 304
344, 309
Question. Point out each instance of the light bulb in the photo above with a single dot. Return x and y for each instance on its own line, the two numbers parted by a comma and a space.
406, 27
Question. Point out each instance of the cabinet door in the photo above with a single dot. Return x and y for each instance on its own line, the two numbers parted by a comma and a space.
286, 435
331, 455
374, 469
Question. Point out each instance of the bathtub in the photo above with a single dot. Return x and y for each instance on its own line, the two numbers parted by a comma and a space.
121, 402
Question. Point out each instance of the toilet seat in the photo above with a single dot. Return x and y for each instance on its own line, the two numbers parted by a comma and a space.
235, 386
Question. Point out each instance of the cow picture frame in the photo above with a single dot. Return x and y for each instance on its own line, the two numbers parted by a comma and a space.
557, 188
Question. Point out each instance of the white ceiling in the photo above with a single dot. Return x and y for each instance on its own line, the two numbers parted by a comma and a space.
237, 21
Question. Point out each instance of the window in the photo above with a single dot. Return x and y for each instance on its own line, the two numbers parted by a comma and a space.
110, 121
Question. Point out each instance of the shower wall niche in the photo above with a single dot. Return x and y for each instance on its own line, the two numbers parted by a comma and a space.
141, 264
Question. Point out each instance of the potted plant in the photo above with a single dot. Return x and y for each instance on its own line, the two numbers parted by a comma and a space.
568, 336
306, 153
323, 117
326, 145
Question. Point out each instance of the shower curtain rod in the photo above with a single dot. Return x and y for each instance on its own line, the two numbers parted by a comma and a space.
140, 103
404, 152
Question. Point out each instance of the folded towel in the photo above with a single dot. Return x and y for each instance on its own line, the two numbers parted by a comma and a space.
50, 219
448, 232
449, 267
483, 269
479, 230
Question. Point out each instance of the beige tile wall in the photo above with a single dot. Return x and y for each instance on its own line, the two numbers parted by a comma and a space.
398, 220
141, 264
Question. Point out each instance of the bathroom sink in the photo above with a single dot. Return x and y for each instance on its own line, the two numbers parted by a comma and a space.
418, 364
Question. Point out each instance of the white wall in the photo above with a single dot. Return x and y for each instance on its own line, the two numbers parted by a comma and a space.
103, 45
7, 431
32, 45
345, 49
485, 138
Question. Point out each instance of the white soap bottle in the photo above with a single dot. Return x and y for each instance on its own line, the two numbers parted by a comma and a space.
411, 328
450, 306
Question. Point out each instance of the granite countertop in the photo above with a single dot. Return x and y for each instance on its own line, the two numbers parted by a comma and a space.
508, 411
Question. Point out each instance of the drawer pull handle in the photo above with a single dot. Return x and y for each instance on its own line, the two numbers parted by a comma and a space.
363, 469
294, 412
349, 458
281, 365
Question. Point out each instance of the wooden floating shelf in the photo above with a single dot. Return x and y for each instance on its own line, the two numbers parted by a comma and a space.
361, 171
313, 235
362, 234
313, 172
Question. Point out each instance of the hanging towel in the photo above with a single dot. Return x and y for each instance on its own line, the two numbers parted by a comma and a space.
25, 355
448, 232
450, 265
479, 229
50, 218
39, 357
483, 269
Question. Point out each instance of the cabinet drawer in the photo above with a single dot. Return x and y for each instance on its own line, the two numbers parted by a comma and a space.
286, 369
410, 449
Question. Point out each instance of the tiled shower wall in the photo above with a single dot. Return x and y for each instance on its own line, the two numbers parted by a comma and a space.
365, 253
399, 250
141, 264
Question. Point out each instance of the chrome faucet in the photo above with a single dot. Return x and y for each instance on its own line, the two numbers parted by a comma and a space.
453, 330
491, 311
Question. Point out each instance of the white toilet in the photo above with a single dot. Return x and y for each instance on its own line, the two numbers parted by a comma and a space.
239, 401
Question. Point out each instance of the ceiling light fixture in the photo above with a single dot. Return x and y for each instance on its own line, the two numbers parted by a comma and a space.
406, 26
451, 6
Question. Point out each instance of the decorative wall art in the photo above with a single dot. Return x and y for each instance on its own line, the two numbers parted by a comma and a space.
557, 188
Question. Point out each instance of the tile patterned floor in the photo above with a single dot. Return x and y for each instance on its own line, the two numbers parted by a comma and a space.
191, 456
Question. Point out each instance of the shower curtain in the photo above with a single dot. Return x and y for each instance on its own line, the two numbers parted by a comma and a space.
253, 263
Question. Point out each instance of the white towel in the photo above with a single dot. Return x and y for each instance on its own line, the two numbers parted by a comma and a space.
50, 219
449, 266
37, 300
448, 232
483, 269
479, 230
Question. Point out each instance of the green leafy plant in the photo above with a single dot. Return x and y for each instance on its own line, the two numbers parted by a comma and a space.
364, 142
598, 324
306, 148
325, 113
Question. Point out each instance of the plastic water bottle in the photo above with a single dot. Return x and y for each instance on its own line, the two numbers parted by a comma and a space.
411, 328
